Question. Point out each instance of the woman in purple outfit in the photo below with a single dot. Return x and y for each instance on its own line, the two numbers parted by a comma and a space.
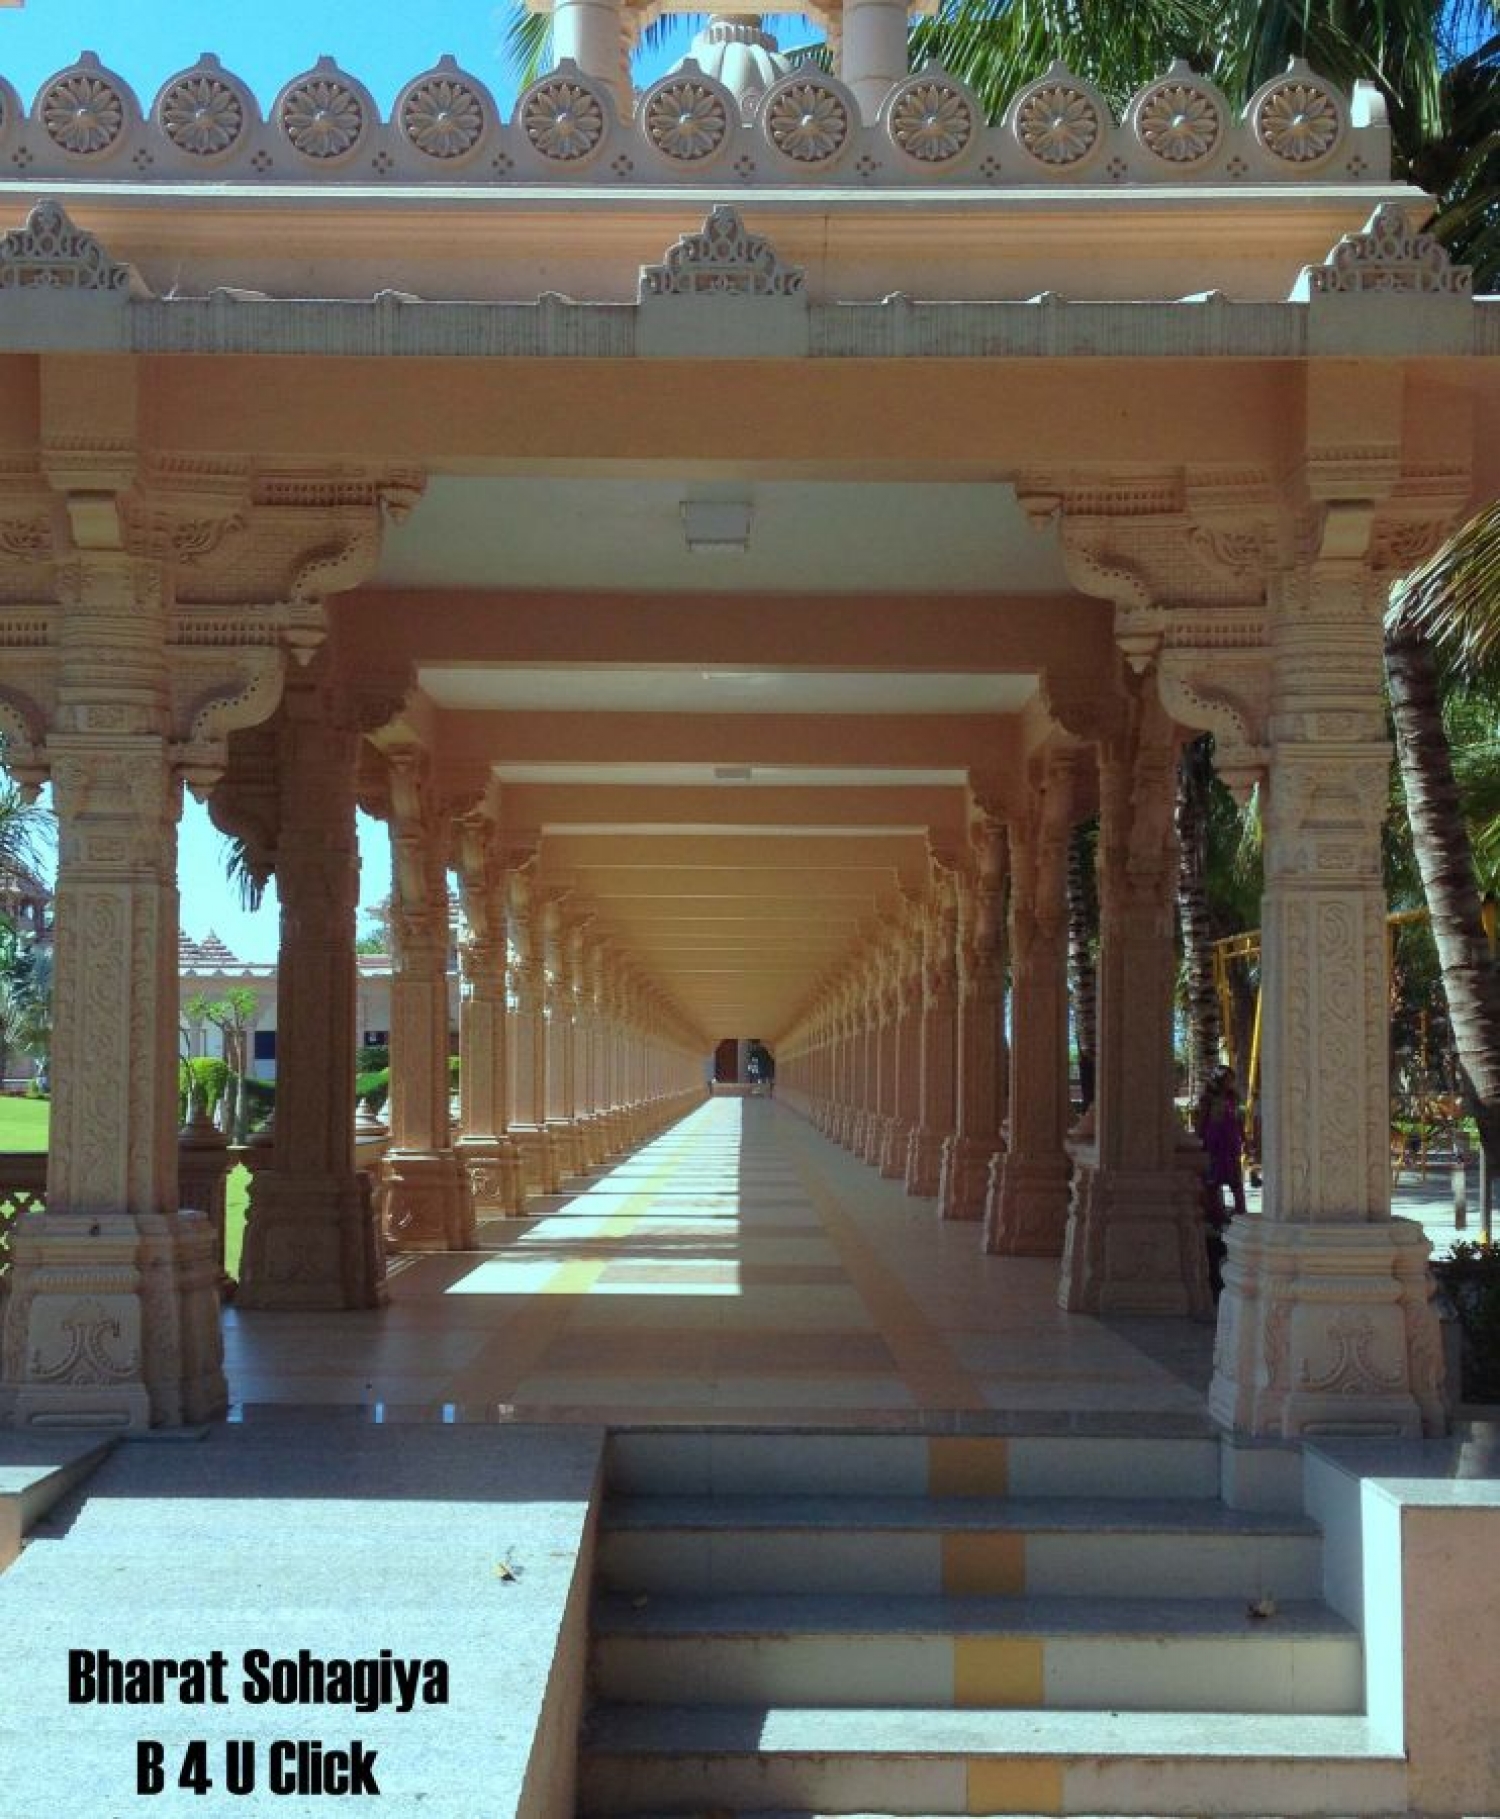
1222, 1134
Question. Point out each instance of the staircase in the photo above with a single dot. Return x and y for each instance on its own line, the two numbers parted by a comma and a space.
898, 1624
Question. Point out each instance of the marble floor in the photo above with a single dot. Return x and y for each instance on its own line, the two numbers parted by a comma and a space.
739, 1269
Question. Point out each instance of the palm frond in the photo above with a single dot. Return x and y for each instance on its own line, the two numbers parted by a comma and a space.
247, 879
1454, 597
526, 50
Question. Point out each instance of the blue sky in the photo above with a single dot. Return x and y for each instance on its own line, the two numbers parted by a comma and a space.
382, 42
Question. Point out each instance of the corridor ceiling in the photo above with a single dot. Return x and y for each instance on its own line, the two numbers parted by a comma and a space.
733, 764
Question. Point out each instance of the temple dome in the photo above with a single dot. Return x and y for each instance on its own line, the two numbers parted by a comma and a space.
737, 51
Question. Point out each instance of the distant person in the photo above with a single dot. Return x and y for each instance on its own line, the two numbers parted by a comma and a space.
1221, 1131
761, 1067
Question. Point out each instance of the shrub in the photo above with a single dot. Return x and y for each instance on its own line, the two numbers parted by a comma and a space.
374, 1086
1468, 1279
260, 1100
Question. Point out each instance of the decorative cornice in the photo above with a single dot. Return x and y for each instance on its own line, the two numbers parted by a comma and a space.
722, 259
51, 253
391, 326
1387, 256
445, 127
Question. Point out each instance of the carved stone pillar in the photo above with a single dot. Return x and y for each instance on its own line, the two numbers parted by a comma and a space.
872, 54
426, 1203
630, 1059
311, 1239
837, 1106
562, 1007
588, 33
1135, 1241
883, 1057
968, 1154
853, 1063
905, 1083
529, 1127
611, 1114
867, 1039
490, 1160
1027, 1207
112, 1315
937, 1061
1325, 1323
596, 1126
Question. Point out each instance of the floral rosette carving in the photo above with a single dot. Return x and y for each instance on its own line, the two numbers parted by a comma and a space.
202, 112
1297, 118
83, 112
930, 119
1179, 119
686, 116
563, 118
806, 118
442, 115
322, 116
1057, 122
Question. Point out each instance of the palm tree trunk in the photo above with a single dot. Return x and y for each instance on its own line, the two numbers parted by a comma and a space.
1205, 1019
1471, 981
1083, 936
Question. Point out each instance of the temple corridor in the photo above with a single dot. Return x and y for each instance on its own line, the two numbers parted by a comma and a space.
740, 1267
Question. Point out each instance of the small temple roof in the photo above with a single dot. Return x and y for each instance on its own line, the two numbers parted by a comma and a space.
209, 954
737, 51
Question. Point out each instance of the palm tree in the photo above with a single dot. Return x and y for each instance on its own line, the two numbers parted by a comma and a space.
1083, 948
1448, 612
1437, 63
1205, 1024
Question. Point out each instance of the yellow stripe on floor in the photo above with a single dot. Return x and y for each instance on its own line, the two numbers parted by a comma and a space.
519, 1348
992, 1672
984, 1566
968, 1467
928, 1368
579, 1275
1015, 1784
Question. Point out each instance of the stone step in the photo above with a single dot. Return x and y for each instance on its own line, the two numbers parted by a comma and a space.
960, 1545
1151, 1464
36, 1470
664, 1760
1111, 1654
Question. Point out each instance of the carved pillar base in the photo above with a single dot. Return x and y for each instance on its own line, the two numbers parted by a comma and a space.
924, 1162
112, 1320
567, 1146
1135, 1242
1327, 1329
425, 1202
593, 1140
202, 1176
538, 1162
1026, 1207
894, 1142
497, 1186
873, 1144
964, 1179
311, 1243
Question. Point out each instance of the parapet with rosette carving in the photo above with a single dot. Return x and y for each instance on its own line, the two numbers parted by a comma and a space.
807, 127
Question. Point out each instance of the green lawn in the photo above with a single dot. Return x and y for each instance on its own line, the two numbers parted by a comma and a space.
23, 1123
236, 1198
23, 1126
